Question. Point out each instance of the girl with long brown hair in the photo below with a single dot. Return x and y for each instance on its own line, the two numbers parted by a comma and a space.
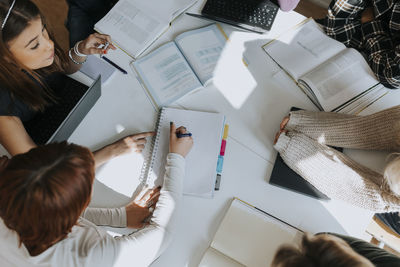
44, 220
29, 63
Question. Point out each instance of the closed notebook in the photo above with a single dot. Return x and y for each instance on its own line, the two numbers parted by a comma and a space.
248, 236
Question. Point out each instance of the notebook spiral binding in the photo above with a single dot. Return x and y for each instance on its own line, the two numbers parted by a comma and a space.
149, 161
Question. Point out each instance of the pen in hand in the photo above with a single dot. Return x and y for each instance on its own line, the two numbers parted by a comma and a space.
180, 135
105, 47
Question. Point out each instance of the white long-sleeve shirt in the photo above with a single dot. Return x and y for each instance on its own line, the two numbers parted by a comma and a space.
90, 245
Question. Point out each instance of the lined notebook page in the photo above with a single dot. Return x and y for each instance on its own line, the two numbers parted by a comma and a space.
201, 162
251, 237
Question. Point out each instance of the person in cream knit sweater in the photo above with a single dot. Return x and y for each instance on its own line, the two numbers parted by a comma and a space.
305, 141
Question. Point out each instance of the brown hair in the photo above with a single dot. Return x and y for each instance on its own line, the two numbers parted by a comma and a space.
44, 191
25, 84
321, 250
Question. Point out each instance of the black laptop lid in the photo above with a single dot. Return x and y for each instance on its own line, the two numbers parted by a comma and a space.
58, 122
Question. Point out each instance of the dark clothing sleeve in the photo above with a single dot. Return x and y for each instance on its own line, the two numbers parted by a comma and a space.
83, 15
382, 54
378, 39
379, 257
13, 107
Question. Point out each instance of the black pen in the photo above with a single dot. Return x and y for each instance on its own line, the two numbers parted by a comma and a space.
115, 65
180, 135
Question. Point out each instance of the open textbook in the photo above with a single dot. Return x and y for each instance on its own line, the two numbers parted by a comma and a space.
249, 237
179, 67
129, 173
334, 77
135, 24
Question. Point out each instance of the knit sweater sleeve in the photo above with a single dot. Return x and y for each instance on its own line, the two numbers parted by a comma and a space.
379, 131
335, 174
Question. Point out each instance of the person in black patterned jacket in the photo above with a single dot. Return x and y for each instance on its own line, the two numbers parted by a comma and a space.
373, 28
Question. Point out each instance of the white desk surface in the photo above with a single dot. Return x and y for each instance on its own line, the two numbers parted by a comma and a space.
254, 99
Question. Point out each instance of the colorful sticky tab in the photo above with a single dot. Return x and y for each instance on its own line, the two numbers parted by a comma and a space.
220, 164
226, 130
223, 146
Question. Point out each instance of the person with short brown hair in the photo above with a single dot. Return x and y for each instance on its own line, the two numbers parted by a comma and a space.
44, 219
333, 250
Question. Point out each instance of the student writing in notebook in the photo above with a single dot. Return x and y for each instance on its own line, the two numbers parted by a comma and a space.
30, 63
370, 27
304, 144
328, 249
50, 187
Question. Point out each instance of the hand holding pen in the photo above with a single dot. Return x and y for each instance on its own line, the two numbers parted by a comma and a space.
96, 43
180, 141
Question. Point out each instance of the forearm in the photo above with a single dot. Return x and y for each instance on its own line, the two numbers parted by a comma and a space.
103, 155
335, 174
13, 136
115, 217
379, 131
148, 243
75, 59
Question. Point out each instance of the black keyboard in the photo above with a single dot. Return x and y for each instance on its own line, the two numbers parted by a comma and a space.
258, 14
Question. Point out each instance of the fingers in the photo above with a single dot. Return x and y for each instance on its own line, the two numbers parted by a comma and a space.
105, 38
142, 135
172, 131
181, 130
153, 199
284, 123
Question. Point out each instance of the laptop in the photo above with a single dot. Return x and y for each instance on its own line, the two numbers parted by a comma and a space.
59, 121
253, 15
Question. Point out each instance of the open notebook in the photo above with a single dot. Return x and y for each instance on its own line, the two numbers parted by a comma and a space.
248, 236
127, 174
135, 24
334, 77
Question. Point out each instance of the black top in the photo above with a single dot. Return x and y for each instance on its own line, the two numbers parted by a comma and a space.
379, 257
15, 107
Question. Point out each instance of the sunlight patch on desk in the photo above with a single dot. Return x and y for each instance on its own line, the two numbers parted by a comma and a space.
231, 75
352, 219
119, 128
122, 173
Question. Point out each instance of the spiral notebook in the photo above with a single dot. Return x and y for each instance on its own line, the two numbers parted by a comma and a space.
201, 162
129, 173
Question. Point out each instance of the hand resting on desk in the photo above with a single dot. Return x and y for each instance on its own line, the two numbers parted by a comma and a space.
135, 142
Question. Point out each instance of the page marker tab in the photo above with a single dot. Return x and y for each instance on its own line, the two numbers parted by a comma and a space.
217, 182
223, 146
220, 164
226, 130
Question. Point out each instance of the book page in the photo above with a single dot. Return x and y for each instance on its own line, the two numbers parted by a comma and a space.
303, 48
202, 49
251, 237
201, 162
213, 257
131, 26
340, 79
166, 74
167, 9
